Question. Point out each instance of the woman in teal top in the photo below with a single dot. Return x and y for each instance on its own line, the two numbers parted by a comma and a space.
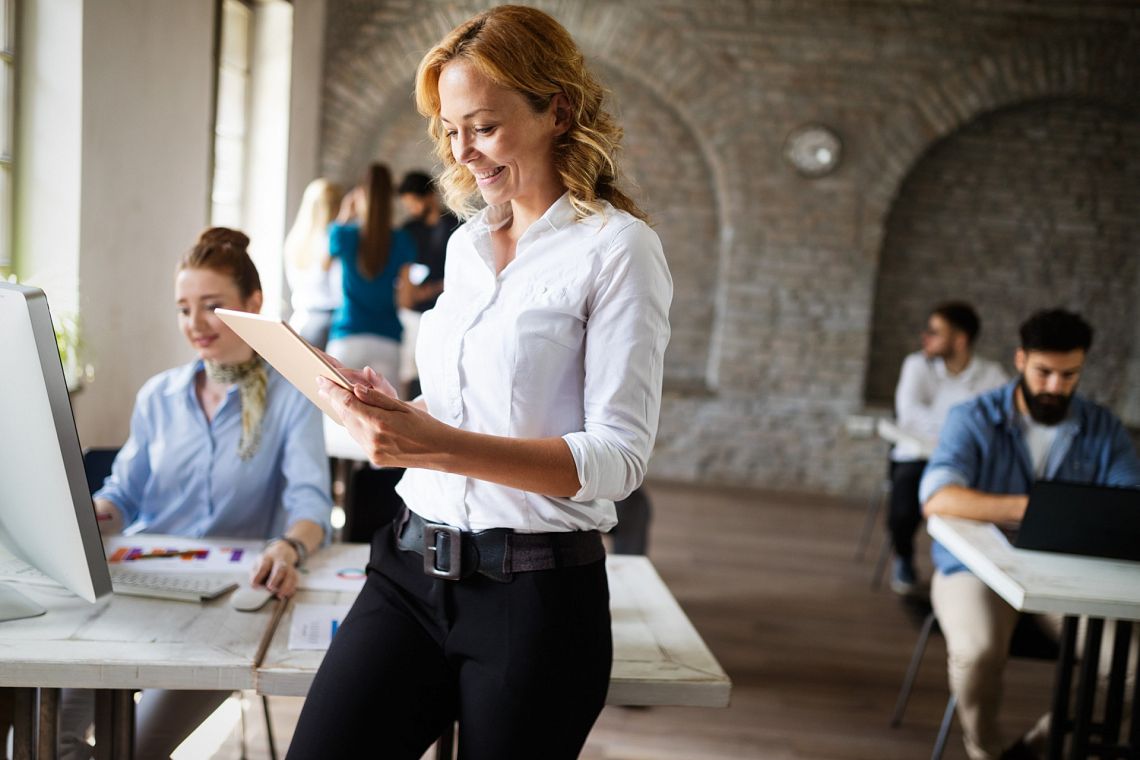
366, 330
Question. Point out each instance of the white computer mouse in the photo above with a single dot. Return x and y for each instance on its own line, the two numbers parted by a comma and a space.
250, 599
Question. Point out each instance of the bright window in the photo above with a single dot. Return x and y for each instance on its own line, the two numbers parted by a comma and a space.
231, 121
7, 127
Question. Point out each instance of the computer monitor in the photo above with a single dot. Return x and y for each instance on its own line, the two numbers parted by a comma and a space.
47, 518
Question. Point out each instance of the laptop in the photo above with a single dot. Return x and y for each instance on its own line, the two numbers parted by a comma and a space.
1078, 518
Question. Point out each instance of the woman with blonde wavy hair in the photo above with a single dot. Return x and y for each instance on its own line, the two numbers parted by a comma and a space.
313, 276
487, 601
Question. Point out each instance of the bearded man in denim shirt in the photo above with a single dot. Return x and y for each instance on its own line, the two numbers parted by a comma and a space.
990, 452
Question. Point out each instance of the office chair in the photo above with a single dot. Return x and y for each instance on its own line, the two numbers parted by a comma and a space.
631, 534
370, 500
97, 465
1028, 642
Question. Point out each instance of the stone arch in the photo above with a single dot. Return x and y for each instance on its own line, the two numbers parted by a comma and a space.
367, 79
985, 200
1104, 71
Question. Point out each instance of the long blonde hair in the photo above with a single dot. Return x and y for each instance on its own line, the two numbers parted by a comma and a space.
308, 238
526, 50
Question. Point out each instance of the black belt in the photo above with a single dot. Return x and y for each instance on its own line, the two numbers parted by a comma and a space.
498, 553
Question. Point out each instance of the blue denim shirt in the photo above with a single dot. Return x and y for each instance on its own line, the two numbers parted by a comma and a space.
982, 447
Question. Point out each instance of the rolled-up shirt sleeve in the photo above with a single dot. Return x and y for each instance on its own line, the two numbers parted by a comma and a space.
955, 460
626, 334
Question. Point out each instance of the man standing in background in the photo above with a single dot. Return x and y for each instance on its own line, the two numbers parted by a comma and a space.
430, 225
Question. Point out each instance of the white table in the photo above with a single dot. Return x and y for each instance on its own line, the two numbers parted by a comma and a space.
659, 658
1045, 582
890, 432
123, 643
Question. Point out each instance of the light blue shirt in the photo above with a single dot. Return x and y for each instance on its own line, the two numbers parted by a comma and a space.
982, 446
180, 474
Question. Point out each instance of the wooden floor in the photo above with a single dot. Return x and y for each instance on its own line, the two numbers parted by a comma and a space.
816, 656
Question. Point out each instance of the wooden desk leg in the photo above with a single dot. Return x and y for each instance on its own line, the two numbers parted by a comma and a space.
104, 724
114, 724
24, 724
1086, 689
1114, 697
1062, 683
49, 724
1134, 731
124, 728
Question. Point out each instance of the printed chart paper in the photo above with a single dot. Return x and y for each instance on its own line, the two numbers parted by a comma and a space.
313, 625
347, 578
190, 555
342, 570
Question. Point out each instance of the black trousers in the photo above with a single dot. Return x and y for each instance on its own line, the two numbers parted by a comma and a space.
523, 666
905, 514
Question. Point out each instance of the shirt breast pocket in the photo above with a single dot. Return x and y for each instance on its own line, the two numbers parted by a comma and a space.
550, 333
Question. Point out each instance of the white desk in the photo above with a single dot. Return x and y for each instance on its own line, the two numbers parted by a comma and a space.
1042, 581
659, 658
890, 432
1071, 586
123, 643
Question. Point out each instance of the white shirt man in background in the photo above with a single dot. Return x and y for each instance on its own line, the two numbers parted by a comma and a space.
944, 373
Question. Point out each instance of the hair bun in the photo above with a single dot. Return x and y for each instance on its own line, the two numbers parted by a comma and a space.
224, 236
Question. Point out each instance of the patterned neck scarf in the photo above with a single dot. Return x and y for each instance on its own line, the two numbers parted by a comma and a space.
252, 380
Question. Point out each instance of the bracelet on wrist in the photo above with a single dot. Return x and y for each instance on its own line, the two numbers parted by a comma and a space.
299, 548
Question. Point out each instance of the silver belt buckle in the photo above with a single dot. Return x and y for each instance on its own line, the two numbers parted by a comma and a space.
454, 551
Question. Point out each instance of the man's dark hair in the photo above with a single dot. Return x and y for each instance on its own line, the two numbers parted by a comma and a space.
416, 183
961, 316
1056, 330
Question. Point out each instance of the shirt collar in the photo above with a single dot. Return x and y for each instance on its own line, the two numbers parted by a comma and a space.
183, 380
560, 213
940, 369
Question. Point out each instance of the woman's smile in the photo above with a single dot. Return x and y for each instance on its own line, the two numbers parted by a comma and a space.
485, 177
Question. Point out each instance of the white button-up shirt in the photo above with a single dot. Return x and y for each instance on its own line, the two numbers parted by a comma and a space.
568, 340
927, 391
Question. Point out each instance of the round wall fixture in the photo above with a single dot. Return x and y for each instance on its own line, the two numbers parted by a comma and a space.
813, 150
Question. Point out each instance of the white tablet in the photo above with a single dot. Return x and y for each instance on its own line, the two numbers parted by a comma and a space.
289, 353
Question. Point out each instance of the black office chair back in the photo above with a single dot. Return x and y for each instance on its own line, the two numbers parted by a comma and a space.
97, 463
371, 501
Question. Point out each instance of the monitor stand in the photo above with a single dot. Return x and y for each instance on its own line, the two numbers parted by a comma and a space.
14, 605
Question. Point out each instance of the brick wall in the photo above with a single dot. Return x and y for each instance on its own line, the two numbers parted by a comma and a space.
1025, 208
776, 274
